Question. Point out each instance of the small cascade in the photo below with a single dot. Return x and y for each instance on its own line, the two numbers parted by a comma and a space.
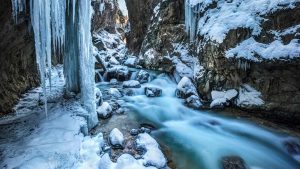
133, 75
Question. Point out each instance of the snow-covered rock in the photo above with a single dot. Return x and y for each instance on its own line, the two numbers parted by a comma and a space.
194, 101
182, 70
105, 110
222, 98
185, 88
118, 72
249, 97
131, 61
116, 138
114, 92
131, 84
113, 81
153, 155
143, 76
114, 61
153, 92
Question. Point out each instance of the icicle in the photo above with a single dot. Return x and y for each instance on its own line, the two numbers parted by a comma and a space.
18, 6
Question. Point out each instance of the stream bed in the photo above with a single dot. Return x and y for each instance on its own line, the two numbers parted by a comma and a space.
204, 140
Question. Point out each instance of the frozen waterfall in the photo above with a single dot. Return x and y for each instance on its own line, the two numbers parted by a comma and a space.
64, 27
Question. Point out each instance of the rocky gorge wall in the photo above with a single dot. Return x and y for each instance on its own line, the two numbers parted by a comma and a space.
18, 69
277, 79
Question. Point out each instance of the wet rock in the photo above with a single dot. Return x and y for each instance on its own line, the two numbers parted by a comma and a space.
131, 84
134, 132
144, 130
185, 88
121, 73
293, 147
128, 92
114, 104
194, 102
104, 111
233, 162
115, 93
143, 76
153, 92
116, 138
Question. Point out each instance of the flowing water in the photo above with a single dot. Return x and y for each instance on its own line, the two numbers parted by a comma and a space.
199, 139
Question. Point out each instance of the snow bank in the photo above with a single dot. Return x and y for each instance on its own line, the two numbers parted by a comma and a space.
153, 156
255, 51
249, 97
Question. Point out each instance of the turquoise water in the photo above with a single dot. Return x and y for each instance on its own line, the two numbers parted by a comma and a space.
199, 139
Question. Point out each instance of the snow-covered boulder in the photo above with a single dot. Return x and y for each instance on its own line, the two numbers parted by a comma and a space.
194, 102
185, 88
104, 111
114, 61
182, 70
153, 92
153, 155
116, 138
131, 84
106, 163
118, 72
113, 81
114, 92
131, 62
249, 97
222, 98
143, 76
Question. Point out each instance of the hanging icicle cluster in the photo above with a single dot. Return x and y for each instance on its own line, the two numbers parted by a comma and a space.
18, 6
64, 26
192, 14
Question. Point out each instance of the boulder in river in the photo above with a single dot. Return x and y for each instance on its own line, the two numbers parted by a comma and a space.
118, 72
233, 162
116, 138
131, 84
194, 102
143, 76
153, 92
98, 97
152, 155
131, 61
115, 93
104, 111
185, 88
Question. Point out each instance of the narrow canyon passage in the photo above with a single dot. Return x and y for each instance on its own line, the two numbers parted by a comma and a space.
150, 84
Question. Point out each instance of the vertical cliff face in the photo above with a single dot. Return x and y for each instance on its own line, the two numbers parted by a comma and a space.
139, 13
18, 70
276, 79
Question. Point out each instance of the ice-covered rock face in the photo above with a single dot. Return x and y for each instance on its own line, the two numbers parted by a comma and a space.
105, 110
116, 138
131, 84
